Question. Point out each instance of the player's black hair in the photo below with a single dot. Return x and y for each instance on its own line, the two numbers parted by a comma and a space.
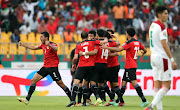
84, 35
46, 34
160, 9
92, 32
131, 31
109, 30
106, 34
100, 32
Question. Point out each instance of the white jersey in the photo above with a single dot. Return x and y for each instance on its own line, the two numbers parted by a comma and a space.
157, 32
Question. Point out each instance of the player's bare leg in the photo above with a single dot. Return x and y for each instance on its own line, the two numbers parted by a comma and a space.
122, 91
64, 87
157, 87
74, 92
140, 93
35, 79
160, 94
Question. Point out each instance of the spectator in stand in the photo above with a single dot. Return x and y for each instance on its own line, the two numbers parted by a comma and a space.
34, 24
60, 29
13, 21
88, 27
19, 14
48, 12
42, 27
15, 38
86, 8
52, 26
4, 4
25, 29
27, 16
42, 4
118, 11
71, 16
30, 5
68, 36
78, 16
109, 25
71, 26
51, 4
81, 24
102, 19
138, 25
129, 13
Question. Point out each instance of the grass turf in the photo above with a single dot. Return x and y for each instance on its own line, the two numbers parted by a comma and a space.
59, 103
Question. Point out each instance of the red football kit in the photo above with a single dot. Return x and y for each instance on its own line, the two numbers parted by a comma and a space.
102, 54
86, 46
50, 56
132, 48
113, 60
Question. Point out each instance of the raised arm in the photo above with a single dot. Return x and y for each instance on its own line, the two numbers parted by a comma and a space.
117, 40
28, 46
54, 47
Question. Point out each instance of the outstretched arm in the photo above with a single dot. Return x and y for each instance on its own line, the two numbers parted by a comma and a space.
28, 46
117, 40
116, 49
113, 54
94, 52
143, 51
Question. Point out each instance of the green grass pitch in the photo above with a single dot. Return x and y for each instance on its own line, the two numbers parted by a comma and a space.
59, 103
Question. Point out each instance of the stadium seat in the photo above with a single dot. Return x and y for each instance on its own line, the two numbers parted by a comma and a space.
5, 37
37, 39
13, 48
60, 49
122, 39
57, 38
31, 52
66, 49
50, 38
79, 38
4, 48
148, 52
21, 50
23, 38
31, 37
75, 37
39, 52
72, 46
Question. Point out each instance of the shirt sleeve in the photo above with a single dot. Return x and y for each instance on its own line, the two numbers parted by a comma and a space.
54, 44
163, 34
141, 46
125, 46
97, 41
77, 50
96, 47
114, 44
40, 46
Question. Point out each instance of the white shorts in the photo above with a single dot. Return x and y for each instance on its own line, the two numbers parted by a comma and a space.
161, 67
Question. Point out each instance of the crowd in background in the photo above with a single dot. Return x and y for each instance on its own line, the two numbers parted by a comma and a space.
66, 17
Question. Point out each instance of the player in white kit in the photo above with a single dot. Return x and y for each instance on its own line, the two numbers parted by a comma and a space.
162, 61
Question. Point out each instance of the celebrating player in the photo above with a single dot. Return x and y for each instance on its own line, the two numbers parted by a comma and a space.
50, 66
162, 61
132, 48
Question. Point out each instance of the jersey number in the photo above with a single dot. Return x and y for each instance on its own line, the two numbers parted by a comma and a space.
86, 50
151, 42
136, 52
104, 53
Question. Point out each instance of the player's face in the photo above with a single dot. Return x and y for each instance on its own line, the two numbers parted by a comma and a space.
42, 38
90, 36
164, 16
126, 36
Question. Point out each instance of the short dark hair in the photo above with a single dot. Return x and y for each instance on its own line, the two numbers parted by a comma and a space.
109, 30
131, 31
92, 32
106, 34
84, 35
100, 32
46, 34
160, 9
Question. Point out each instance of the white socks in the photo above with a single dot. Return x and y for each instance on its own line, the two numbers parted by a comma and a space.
159, 96
159, 105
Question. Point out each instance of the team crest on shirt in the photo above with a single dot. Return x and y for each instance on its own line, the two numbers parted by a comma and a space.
123, 44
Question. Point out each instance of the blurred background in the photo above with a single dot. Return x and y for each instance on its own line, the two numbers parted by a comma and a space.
24, 20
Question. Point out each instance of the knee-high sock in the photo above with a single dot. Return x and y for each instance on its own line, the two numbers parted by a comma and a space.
106, 88
74, 92
113, 93
140, 93
85, 91
80, 94
67, 91
118, 92
159, 105
122, 91
94, 89
89, 93
31, 90
102, 93
159, 96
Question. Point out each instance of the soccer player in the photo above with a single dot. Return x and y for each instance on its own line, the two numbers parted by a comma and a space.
132, 48
50, 66
112, 72
162, 61
73, 75
85, 69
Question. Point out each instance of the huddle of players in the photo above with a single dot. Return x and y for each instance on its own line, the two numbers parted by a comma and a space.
98, 63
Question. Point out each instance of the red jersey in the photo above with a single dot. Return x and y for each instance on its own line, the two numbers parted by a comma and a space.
50, 56
85, 46
102, 54
112, 61
132, 48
